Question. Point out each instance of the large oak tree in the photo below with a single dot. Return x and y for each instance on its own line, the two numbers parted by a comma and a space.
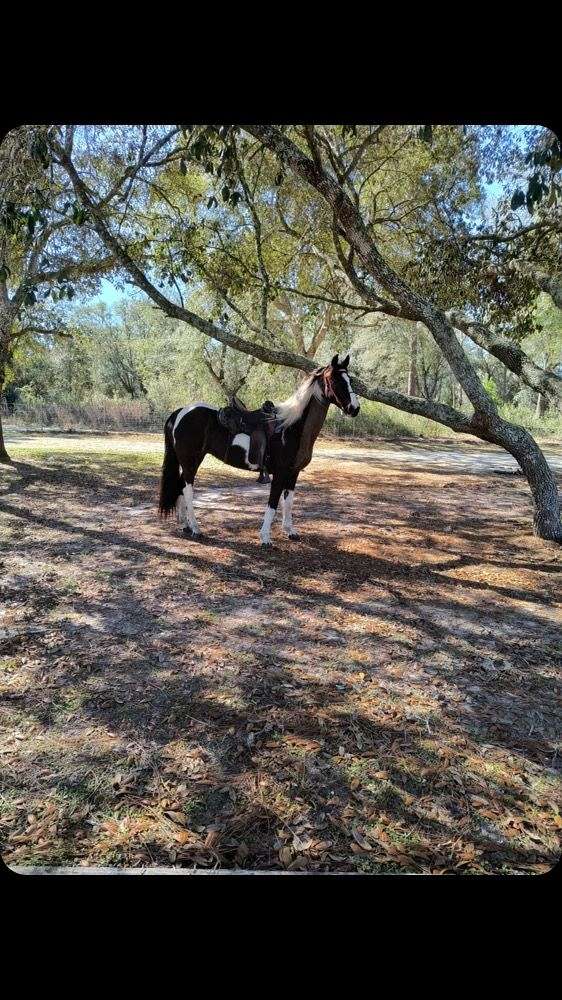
45, 257
381, 219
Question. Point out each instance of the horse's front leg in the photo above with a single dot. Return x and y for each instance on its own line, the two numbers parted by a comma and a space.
287, 502
271, 510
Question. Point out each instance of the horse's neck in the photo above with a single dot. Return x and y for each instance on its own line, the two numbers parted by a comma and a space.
313, 420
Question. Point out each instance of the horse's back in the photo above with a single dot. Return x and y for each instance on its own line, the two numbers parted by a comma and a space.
196, 409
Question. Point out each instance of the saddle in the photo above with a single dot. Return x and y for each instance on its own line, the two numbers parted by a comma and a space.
259, 424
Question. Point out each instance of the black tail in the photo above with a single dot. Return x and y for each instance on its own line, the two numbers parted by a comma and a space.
170, 482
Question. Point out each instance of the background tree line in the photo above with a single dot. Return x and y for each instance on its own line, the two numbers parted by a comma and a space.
133, 354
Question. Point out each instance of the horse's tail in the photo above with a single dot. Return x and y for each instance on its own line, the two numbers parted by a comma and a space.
170, 482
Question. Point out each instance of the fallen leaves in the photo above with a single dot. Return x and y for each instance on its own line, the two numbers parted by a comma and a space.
183, 836
250, 758
212, 839
360, 839
242, 852
285, 856
176, 817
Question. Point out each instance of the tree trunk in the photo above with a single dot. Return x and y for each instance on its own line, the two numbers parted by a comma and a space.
413, 389
541, 406
541, 479
4, 457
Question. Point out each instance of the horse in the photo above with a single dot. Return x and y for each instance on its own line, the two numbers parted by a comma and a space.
193, 431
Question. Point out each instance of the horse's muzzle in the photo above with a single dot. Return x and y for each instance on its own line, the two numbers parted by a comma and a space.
351, 410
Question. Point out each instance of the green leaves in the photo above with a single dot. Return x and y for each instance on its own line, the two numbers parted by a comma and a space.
9, 217
536, 191
13, 219
548, 163
229, 197
425, 133
79, 213
64, 291
550, 156
38, 150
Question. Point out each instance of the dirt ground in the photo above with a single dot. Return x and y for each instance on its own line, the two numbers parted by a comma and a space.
381, 696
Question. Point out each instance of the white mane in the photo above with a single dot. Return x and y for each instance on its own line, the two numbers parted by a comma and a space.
293, 408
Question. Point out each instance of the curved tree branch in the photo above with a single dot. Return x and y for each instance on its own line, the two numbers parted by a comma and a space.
434, 411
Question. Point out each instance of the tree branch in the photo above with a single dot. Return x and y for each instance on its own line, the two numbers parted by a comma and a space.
434, 411
510, 354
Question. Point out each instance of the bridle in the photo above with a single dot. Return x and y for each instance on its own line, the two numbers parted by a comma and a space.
328, 391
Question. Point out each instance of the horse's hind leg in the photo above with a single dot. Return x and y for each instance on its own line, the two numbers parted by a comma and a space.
186, 513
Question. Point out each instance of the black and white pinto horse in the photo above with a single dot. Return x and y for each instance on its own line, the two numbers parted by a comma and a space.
194, 431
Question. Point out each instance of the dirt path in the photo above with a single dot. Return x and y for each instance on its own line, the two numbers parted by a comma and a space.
449, 460
383, 695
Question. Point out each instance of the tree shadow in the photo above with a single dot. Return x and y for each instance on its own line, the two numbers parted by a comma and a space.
272, 663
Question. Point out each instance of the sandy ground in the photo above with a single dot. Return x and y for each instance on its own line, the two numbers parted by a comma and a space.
383, 695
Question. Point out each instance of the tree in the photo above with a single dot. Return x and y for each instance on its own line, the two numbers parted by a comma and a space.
485, 421
337, 164
45, 257
546, 341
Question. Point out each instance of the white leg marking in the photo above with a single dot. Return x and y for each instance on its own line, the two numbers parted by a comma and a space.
181, 511
188, 498
265, 533
287, 501
243, 441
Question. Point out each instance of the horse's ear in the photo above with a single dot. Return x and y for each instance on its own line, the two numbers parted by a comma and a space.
334, 361
345, 362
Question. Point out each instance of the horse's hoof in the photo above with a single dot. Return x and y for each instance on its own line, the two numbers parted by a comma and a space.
195, 536
294, 534
267, 545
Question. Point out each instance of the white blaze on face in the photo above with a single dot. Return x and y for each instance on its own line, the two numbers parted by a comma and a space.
353, 398
269, 517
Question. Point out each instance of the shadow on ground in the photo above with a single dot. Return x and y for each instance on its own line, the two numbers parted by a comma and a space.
381, 696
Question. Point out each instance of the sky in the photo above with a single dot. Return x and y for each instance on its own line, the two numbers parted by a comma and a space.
111, 295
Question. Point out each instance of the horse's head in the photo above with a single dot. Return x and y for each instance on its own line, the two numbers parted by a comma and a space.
336, 387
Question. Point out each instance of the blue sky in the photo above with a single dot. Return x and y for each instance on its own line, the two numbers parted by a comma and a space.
111, 295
